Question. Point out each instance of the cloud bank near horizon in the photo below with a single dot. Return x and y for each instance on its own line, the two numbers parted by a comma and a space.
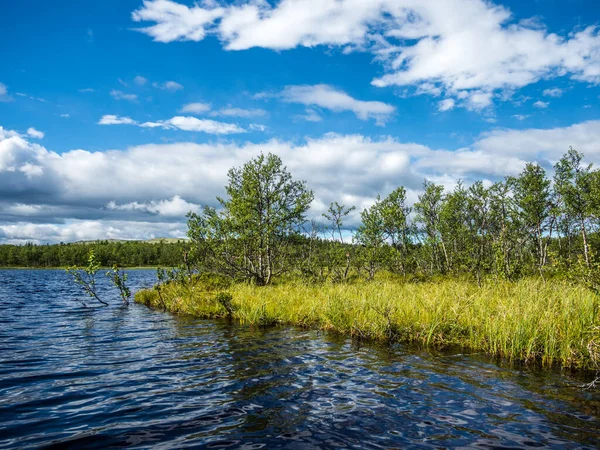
145, 191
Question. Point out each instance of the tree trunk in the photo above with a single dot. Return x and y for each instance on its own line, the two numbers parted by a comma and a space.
585, 245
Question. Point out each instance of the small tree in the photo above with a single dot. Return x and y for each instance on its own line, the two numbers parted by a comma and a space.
370, 235
532, 197
118, 277
249, 237
86, 278
428, 210
335, 214
339, 254
573, 185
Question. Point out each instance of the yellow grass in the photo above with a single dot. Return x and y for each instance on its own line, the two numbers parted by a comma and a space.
551, 323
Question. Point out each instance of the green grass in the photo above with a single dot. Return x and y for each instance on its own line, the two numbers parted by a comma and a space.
551, 324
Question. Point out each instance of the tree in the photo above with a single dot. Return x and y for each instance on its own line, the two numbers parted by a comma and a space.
249, 236
428, 210
397, 230
339, 254
573, 184
335, 214
370, 235
532, 196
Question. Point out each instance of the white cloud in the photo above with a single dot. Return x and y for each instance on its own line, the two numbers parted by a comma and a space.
240, 112
446, 104
87, 90
451, 47
520, 116
540, 104
134, 195
175, 22
478, 100
140, 81
174, 207
327, 97
32, 132
110, 119
184, 123
87, 230
171, 86
187, 123
65, 115
195, 108
120, 95
554, 92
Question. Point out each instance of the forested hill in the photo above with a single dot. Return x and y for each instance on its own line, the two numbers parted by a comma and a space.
124, 253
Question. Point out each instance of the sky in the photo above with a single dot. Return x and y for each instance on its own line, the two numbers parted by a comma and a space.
117, 117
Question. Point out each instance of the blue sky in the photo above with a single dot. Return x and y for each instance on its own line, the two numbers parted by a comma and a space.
119, 116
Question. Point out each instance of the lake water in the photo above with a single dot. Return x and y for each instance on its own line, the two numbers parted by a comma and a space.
73, 376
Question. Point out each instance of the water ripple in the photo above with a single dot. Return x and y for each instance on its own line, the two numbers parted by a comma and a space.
75, 375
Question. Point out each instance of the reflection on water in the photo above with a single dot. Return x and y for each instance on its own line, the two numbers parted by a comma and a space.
73, 376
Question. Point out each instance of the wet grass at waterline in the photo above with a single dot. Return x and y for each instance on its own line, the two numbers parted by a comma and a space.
552, 323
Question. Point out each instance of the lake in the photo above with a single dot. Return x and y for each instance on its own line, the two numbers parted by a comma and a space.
74, 376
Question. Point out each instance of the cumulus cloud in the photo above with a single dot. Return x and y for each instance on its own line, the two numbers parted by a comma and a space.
120, 95
86, 230
32, 132
174, 207
460, 48
327, 97
184, 123
540, 104
175, 22
195, 108
146, 189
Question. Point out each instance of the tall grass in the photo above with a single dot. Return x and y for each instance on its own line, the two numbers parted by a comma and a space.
552, 323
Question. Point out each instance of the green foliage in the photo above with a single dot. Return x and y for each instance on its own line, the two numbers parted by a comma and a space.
250, 236
86, 278
335, 214
125, 254
118, 278
225, 299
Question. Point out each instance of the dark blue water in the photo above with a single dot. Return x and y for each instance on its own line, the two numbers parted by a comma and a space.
91, 377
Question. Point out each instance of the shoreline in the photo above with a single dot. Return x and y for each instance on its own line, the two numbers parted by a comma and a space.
552, 324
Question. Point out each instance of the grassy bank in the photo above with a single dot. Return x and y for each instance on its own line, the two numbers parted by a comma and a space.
551, 323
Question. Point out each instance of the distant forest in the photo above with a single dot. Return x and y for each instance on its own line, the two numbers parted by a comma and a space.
123, 253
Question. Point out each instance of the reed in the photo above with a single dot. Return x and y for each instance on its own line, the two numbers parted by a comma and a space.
551, 323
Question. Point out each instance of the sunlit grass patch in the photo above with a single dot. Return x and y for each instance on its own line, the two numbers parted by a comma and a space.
549, 323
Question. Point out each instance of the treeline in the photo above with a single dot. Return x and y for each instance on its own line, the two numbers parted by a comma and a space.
523, 225
123, 253
519, 226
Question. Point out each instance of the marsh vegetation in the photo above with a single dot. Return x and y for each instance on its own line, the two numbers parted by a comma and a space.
508, 268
